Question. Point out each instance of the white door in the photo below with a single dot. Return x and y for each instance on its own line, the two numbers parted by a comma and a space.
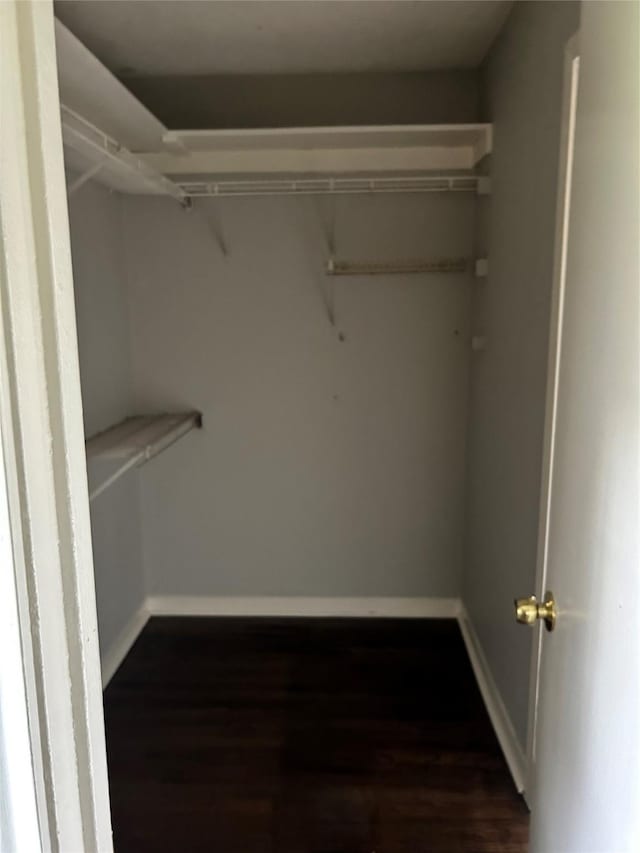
586, 791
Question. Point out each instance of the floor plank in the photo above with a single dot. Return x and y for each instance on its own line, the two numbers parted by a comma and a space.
305, 736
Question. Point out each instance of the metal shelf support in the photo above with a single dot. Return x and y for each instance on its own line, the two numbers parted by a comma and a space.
134, 441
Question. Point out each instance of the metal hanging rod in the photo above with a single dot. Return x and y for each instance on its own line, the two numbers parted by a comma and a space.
326, 186
438, 265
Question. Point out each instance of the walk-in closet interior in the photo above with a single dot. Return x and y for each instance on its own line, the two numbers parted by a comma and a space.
313, 249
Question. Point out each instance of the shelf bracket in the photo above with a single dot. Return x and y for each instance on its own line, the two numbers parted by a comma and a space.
326, 210
329, 293
122, 469
326, 287
327, 214
213, 221
82, 179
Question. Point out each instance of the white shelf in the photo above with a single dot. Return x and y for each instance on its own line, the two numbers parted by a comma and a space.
110, 136
134, 441
89, 89
103, 124
94, 154
322, 150
472, 138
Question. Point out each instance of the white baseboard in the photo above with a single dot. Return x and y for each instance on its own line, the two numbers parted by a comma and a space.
123, 642
496, 709
416, 608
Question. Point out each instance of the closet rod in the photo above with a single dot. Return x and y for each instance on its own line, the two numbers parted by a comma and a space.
327, 186
402, 267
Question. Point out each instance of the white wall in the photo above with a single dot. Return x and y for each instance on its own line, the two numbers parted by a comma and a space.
105, 368
324, 467
523, 91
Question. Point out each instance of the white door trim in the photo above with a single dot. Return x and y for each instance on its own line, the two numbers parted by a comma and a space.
565, 165
41, 421
20, 779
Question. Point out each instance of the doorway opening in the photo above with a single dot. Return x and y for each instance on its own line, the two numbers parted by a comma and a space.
313, 294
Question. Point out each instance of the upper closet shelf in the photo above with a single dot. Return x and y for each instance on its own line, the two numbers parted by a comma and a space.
136, 440
103, 123
89, 89
93, 154
324, 150
113, 137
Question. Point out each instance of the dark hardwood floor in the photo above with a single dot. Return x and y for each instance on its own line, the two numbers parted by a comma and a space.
305, 736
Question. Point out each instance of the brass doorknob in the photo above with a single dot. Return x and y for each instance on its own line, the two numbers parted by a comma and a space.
529, 610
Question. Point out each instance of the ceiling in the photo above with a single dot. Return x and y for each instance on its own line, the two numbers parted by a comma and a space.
191, 37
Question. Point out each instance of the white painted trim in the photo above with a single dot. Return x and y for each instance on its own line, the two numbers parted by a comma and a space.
563, 202
19, 818
404, 608
498, 714
43, 439
122, 644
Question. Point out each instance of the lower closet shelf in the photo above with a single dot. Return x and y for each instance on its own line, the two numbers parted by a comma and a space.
136, 440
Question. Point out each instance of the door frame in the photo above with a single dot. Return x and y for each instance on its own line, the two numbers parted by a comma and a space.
563, 205
43, 441
43, 438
